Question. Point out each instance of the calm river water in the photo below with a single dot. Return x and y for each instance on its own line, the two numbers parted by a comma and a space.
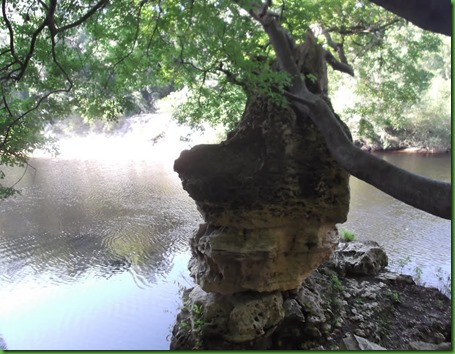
94, 252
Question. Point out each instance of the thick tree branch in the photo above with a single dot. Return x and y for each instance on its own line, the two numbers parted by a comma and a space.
336, 65
88, 14
341, 65
283, 46
431, 15
338, 47
434, 197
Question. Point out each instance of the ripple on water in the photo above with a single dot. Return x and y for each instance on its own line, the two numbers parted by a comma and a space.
111, 237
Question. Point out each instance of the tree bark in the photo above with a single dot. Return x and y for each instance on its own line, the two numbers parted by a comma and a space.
434, 197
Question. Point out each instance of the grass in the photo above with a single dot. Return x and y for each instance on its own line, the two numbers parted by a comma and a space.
445, 282
347, 236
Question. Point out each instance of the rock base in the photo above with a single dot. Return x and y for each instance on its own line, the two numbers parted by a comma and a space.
337, 307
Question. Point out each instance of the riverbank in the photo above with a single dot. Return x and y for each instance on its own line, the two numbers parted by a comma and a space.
351, 302
418, 151
403, 149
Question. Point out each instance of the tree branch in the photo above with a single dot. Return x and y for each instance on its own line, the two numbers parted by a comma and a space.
359, 29
434, 197
430, 15
341, 65
336, 65
16, 120
89, 13
10, 32
133, 45
283, 46
155, 28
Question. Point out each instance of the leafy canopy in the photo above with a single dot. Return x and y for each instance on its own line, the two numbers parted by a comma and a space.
91, 58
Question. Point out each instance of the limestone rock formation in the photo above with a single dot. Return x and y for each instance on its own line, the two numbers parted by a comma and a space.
360, 258
270, 195
359, 343
238, 318
331, 310
228, 260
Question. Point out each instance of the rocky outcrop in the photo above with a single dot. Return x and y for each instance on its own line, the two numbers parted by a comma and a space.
359, 343
270, 195
332, 309
230, 320
228, 260
360, 258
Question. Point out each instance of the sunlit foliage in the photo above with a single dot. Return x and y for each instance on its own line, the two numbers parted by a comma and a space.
101, 59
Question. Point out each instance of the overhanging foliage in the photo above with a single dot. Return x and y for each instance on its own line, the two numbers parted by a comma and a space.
90, 56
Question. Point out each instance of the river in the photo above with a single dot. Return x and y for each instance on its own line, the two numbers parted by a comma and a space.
93, 253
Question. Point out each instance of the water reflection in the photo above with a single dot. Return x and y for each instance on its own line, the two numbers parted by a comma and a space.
94, 217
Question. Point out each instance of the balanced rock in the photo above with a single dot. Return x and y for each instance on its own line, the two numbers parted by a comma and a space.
271, 195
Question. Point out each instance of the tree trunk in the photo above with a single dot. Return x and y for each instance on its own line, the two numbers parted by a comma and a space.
434, 197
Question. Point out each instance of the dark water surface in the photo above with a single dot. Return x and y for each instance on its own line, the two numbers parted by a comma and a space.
93, 253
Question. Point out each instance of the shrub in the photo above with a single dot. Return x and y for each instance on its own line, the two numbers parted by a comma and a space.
347, 236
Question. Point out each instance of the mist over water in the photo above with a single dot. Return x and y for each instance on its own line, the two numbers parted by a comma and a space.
151, 137
94, 251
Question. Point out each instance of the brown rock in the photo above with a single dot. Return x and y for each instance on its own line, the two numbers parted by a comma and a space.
271, 195
227, 260
238, 318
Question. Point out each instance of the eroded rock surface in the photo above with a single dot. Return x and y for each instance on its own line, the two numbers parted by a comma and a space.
273, 170
271, 195
330, 310
360, 258
229, 260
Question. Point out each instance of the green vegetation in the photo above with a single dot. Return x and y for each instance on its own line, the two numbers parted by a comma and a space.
387, 109
394, 296
105, 59
191, 318
385, 321
403, 262
445, 282
335, 293
335, 283
359, 301
418, 276
197, 316
347, 236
